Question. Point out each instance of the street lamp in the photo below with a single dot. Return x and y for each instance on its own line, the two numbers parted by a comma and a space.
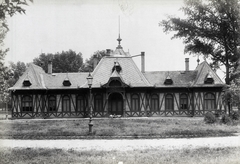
90, 80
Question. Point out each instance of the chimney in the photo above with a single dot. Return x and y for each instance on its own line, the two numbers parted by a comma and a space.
186, 64
108, 52
49, 67
143, 62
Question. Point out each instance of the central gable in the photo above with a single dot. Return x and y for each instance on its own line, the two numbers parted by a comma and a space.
130, 74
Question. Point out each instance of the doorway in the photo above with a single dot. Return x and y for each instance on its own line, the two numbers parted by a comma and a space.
115, 104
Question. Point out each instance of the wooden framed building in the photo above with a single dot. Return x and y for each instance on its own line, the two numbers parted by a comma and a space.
119, 88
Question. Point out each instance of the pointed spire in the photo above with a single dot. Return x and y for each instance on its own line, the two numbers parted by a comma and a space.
119, 38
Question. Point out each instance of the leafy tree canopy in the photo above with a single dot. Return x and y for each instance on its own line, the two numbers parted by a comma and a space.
8, 8
210, 28
17, 70
88, 66
66, 61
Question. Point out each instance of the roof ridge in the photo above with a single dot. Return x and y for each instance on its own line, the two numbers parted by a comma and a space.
35, 74
198, 75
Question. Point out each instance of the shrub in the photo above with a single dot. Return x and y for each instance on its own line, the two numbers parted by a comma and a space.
235, 115
209, 118
226, 119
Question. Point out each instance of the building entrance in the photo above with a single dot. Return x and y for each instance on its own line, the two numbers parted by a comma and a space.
115, 104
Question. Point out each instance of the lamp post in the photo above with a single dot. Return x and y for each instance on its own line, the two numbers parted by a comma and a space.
90, 79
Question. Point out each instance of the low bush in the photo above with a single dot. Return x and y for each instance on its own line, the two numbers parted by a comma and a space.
210, 118
235, 115
226, 119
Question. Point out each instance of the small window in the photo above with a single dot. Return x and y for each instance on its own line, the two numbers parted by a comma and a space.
169, 102
27, 83
66, 106
209, 101
117, 67
52, 104
154, 102
183, 101
98, 103
209, 79
168, 81
66, 82
80, 103
135, 102
27, 104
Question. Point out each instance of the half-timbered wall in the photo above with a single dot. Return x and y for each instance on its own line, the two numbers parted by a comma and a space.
136, 102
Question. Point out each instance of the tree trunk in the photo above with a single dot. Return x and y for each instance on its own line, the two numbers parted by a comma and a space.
227, 81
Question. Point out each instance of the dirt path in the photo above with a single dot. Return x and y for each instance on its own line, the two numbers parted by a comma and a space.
125, 144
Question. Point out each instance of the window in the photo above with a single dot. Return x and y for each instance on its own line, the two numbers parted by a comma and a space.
98, 103
135, 102
154, 102
80, 103
27, 104
169, 102
52, 104
66, 106
183, 101
209, 101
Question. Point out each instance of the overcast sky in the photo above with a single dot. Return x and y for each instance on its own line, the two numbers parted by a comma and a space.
86, 26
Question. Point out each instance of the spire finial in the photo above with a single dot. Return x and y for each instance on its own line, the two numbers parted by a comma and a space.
119, 38
198, 60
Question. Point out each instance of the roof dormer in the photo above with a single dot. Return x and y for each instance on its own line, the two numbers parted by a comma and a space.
209, 79
66, 82
116, 67
168, 81
27, 82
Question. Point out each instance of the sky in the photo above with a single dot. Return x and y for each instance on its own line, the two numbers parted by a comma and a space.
86, 26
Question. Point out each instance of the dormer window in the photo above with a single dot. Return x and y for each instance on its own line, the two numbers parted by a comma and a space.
117, 67
27, 83
209, 79
168, 81
66, 82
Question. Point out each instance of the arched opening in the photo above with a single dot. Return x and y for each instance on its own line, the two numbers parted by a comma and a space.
115, 104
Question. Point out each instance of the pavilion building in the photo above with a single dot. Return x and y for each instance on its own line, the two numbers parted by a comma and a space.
118, 88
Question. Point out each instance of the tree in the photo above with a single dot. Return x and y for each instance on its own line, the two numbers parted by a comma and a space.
8, 8
66, 61
88, 66
210, 28
17, 70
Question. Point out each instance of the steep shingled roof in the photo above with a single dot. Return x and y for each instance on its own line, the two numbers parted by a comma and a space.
194, 78
130, 73
42, 80
203, 70
32, 73
179, 78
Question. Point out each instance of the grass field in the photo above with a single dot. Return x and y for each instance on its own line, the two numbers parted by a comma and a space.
153, 156
147, 127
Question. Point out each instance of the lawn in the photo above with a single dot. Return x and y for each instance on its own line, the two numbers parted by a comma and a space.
153, 156
158, 127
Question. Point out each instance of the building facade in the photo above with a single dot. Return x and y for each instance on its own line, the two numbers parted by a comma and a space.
118, 88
